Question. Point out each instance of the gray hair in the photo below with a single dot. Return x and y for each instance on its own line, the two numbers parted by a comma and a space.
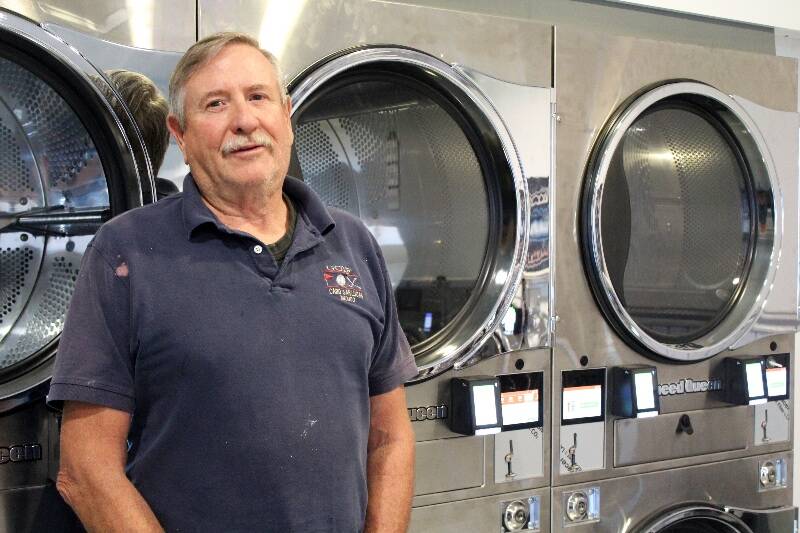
201, 53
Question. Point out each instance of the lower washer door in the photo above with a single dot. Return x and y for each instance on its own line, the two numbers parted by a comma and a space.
696, 519
68, 162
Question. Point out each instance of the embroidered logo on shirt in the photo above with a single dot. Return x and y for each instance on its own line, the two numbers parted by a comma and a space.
342, 282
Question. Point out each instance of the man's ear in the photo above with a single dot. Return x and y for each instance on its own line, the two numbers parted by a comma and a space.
288, 107
174, 127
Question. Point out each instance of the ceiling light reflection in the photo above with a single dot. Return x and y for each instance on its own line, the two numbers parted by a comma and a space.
278, 23
141, 21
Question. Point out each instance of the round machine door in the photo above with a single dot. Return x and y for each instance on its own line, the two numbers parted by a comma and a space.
696, 519
678, 225
413, 148
67, 163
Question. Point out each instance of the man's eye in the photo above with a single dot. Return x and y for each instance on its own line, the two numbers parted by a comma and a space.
214, 103
258, 96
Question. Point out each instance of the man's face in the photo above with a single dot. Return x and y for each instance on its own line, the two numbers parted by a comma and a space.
237, 132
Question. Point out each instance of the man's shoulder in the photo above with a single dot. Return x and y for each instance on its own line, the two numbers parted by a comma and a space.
348, 222
150, 221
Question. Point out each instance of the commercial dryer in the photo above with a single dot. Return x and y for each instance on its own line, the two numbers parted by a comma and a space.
68, 162
676, 286
440, 141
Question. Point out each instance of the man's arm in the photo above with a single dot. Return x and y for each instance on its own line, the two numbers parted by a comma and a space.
92, 474
390, 464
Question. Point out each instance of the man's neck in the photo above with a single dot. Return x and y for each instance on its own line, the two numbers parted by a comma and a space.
258, 211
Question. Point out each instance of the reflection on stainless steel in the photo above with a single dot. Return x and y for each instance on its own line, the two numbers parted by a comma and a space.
278, 23
155, 64
389, 150
396, 159
680, 289
141, 23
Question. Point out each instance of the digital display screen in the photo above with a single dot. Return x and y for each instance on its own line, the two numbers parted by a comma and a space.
520, 407
755, 382
776, 381
582, 402
509, 321
484, 406
427, 323
645, 397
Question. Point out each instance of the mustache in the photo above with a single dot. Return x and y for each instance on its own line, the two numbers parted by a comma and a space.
237, 142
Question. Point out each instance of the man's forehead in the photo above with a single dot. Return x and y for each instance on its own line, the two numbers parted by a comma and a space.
236, 65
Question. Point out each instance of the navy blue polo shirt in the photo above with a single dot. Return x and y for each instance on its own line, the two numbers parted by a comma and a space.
248, 382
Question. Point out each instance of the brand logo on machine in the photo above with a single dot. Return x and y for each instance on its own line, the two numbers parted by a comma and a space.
20, 453
433, 412
343, 283
688, 386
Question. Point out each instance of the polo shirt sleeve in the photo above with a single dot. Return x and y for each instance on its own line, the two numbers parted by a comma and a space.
392, 362
94, 362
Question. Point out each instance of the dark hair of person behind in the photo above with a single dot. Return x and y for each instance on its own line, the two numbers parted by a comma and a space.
148, 107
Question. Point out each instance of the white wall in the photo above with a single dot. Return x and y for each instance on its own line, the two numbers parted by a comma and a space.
773, 13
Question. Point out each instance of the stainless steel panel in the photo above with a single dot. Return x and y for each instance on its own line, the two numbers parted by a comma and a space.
36, 509
436, 392
625, 503
143, 24
619, 20
24, 447
647, 440
457, 462
474, 515
526, 113
302, 32
780, 310
615, 68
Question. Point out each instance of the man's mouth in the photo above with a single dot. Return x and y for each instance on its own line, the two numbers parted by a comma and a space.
247, 149
241, 144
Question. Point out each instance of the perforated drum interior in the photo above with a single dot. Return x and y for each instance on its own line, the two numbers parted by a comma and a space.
67, 164
49, 167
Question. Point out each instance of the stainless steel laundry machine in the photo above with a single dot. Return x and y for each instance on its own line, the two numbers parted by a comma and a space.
440, 140
68, 162
676, 286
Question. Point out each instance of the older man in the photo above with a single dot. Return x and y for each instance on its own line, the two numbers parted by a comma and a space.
235, 348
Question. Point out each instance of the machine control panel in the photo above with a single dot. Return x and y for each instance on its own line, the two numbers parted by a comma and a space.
583, 406
583, 398
757, 379
484, 405
521, 400
475, 402
634, 391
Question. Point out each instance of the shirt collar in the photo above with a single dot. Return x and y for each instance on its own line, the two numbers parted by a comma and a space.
309, 206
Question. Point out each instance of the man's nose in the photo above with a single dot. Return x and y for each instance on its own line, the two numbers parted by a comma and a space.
244, 118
